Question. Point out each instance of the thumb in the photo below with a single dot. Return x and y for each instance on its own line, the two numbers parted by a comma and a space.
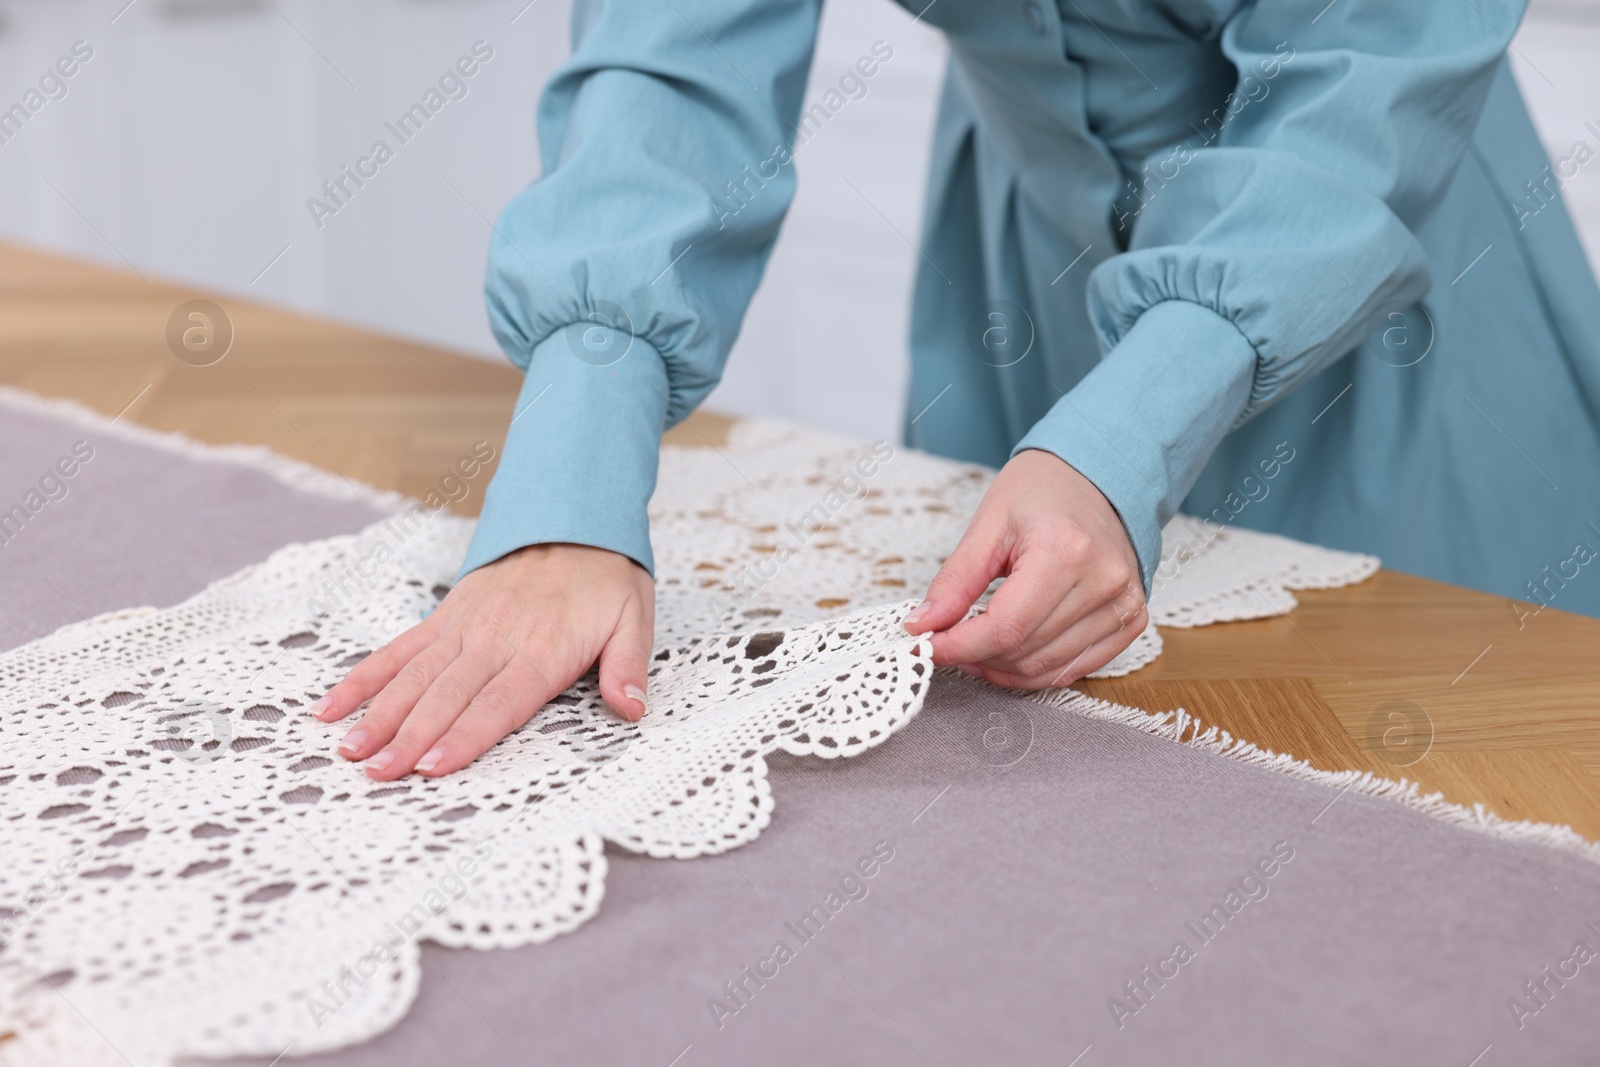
963, 578
624, 663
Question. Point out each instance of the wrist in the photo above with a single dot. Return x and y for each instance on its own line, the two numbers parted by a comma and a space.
568, 555
579, 463
1142, 423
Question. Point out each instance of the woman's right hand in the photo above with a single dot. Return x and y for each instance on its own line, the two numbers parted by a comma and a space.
509, 637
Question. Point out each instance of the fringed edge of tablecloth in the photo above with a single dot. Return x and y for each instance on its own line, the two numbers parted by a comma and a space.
1185, 729
291, 472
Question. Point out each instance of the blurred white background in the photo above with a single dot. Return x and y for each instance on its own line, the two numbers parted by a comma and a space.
186, 148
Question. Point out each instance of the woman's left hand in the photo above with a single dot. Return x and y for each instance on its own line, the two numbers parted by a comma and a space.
1072, 598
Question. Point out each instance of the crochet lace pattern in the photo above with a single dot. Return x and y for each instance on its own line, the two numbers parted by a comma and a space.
191, 870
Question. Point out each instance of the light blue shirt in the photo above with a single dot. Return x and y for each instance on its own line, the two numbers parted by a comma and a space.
1296, 266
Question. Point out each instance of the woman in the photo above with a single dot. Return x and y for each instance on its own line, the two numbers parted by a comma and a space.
1296, 265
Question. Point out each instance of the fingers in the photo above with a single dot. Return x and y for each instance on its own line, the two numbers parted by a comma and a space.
368, 677
1106, 649
1033, 593
413, 745
453, 700
514, 693
443, 692
506, 702
976, 562
1072, 597
1065, 600
517, 692
395, 701
625, 663
1083, 649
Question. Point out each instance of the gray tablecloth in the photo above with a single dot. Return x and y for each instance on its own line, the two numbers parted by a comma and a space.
1020, 904
133, 524
1000, 883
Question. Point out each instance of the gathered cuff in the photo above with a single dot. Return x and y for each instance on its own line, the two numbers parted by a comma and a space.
580, 457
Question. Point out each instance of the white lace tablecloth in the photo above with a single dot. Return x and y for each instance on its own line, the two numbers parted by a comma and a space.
191, 870
737, 545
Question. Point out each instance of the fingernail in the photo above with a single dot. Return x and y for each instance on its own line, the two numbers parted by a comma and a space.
634, 693
320, 705
918, 612
432, 759
381, 762
967, 668
353, 741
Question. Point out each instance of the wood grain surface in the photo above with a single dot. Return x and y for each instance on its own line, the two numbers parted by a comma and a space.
1399, 675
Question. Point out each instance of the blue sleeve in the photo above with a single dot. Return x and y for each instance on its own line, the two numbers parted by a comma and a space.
1273, 241
618, 280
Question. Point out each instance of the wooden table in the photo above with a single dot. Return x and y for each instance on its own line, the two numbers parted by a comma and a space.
1512, 705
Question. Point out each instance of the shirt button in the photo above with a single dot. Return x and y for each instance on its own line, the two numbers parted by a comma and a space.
1035, 16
